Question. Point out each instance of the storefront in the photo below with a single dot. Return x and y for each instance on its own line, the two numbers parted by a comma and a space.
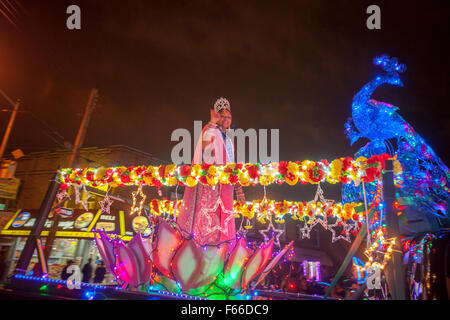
74, 236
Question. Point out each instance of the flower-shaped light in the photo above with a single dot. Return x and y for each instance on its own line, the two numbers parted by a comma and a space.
130, 263
184, 265
133, 263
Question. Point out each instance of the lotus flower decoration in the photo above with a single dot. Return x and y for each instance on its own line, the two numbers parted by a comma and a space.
130, 263
184, 266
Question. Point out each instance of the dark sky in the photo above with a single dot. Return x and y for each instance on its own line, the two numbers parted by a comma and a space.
160, 65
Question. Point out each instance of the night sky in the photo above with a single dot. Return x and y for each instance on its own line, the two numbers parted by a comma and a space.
160, 65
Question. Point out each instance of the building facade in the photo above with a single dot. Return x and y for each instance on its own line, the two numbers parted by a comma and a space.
35, 172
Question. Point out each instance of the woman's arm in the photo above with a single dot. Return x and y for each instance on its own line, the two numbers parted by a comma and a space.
239, 193
207, 138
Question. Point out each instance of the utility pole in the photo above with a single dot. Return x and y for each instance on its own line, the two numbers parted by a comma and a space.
83, 127
34, 239
76, 148
10, 123
395, 273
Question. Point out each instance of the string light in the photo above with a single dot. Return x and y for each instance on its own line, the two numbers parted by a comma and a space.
86, 196
376, 249
272, 233
265, 209
105, 204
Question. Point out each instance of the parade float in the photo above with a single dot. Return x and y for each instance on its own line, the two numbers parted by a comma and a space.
159, 260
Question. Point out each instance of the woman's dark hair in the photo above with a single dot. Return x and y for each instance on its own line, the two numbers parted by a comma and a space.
224, 109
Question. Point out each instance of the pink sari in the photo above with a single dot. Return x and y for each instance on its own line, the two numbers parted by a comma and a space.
207, 212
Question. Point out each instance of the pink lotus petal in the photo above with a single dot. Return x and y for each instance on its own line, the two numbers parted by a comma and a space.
235, 264
273, 262
166, 243
256, 263
134, 265
126, 266
213, 260
105, 246
187, 265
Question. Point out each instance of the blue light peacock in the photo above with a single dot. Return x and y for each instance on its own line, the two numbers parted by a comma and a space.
424, 183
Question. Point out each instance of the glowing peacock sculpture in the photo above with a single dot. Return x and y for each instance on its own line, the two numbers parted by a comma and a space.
424, 183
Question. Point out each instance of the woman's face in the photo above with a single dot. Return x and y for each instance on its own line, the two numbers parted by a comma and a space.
225, 119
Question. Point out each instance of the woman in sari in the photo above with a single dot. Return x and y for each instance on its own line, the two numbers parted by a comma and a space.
207, 213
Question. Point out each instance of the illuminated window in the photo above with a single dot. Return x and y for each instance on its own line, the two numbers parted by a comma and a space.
311, 269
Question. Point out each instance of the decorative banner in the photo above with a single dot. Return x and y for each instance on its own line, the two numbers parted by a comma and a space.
80, 224
342, 170
9, 187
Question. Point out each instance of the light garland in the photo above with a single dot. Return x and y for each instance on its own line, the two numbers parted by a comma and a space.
342, 170
265, 209
152, 290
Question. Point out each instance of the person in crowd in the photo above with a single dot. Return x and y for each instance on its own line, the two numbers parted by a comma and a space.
303, 285
37, 270
338, 291
354, 286
100, 272
87, 271
3, 263
64, 274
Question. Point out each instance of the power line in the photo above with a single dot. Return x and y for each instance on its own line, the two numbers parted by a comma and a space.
7, 8
51, 132
7, 17
12, 6
50, 129
17, 2
13, 11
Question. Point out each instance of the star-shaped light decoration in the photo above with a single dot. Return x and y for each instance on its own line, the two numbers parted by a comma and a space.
60, 196
105, 204
272, 232
205, 213
313, 221
85, 197
347, 228
137, 208
327, 202
242, 232
306, 229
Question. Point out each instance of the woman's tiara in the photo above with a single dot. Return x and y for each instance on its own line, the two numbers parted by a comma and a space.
221, 104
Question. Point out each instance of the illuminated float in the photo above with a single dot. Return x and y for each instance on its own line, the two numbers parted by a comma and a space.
158, 258
165, 260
